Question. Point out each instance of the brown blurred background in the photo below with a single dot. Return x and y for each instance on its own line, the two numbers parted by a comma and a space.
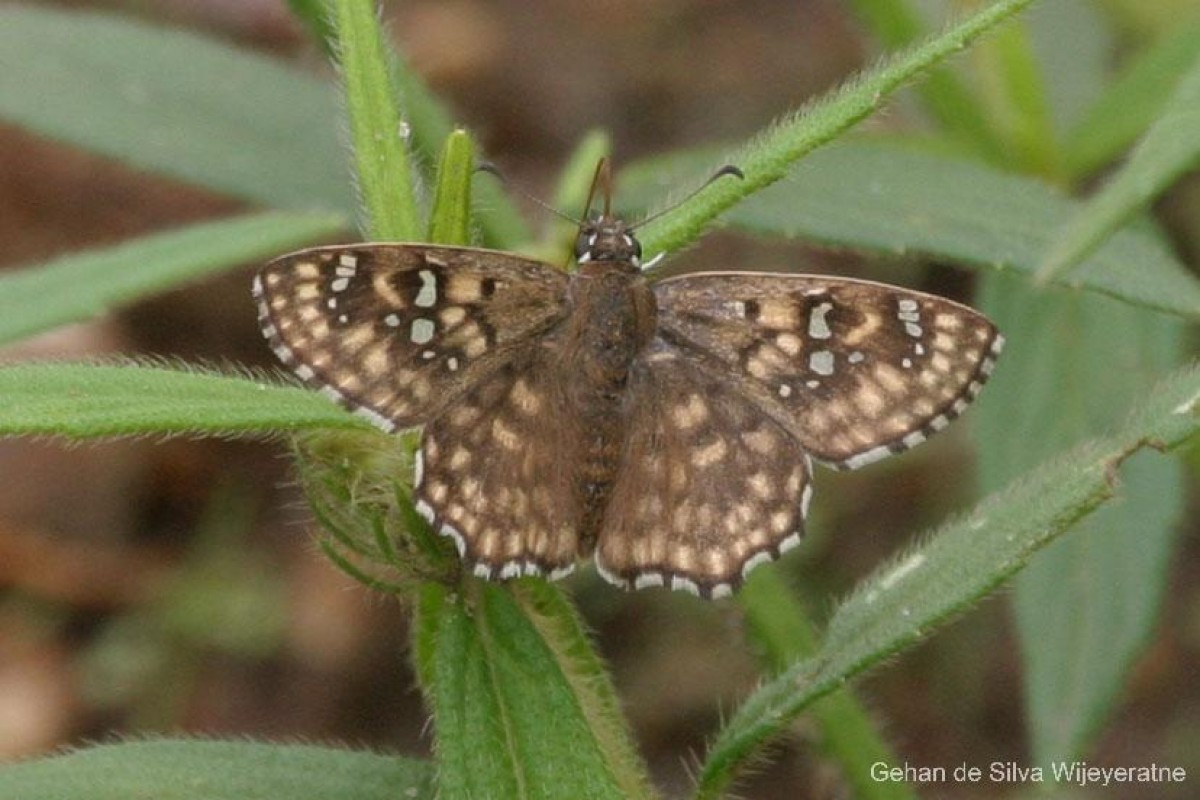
173, 586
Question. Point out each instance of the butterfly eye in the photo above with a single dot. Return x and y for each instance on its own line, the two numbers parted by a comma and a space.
584, 243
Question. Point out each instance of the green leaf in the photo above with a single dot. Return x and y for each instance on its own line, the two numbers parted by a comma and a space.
450, 221
949, 101
87, 401
522, 706
576, 176
1086, 607
314, 15
211, 770
1170, 148
1131, 103
1075, 76
768, 157
893, 199
778, 622
1011, 86
175, 103
951, 569
380, 138
79, 286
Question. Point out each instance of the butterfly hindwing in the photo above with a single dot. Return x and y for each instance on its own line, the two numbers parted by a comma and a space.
397, 332
708, 486
855, 370
496, 472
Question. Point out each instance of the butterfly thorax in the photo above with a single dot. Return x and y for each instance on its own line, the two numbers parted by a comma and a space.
612, 317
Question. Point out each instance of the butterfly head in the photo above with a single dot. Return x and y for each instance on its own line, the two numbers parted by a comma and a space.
607, 239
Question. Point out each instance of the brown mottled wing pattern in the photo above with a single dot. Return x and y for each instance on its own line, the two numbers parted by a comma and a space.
495, 472
397, 332
854, 370
708, 487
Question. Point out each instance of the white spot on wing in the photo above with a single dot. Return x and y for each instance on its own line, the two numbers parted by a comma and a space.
818, 327
821, 362
647, 580
427, 296
561, 572
375, 418
866, 457
678, 583
758, 559
422, 330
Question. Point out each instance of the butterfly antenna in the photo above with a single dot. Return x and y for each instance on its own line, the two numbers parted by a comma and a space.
492, 169
728, 169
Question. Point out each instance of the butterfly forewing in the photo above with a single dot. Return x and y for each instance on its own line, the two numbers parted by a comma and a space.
708, 487
854, 370
398, 332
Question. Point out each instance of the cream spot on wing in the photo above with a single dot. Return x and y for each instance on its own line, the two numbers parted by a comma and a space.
525, 399
760, 485
890, 378
305, 271
384, 289
375, 359
710, 454
505, 435
460, 458
463, 289
777, 313
760, 440
949, 322
857, 335
452, 315
943, 342
691, 413
789, 343
358, 337
869, 399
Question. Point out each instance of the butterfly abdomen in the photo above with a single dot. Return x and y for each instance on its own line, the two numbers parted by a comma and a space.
611, 320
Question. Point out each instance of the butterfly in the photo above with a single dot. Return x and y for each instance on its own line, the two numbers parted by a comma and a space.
667, 428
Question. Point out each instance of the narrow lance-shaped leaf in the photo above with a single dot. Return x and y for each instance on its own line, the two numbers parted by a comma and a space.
950, 570
379, 135
1170, 148
948, 99
450, 220
175, 103
1087, 606
212, 770
82, 285
1015, 96
517, 711
779, 624
88, 401
1131, 102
